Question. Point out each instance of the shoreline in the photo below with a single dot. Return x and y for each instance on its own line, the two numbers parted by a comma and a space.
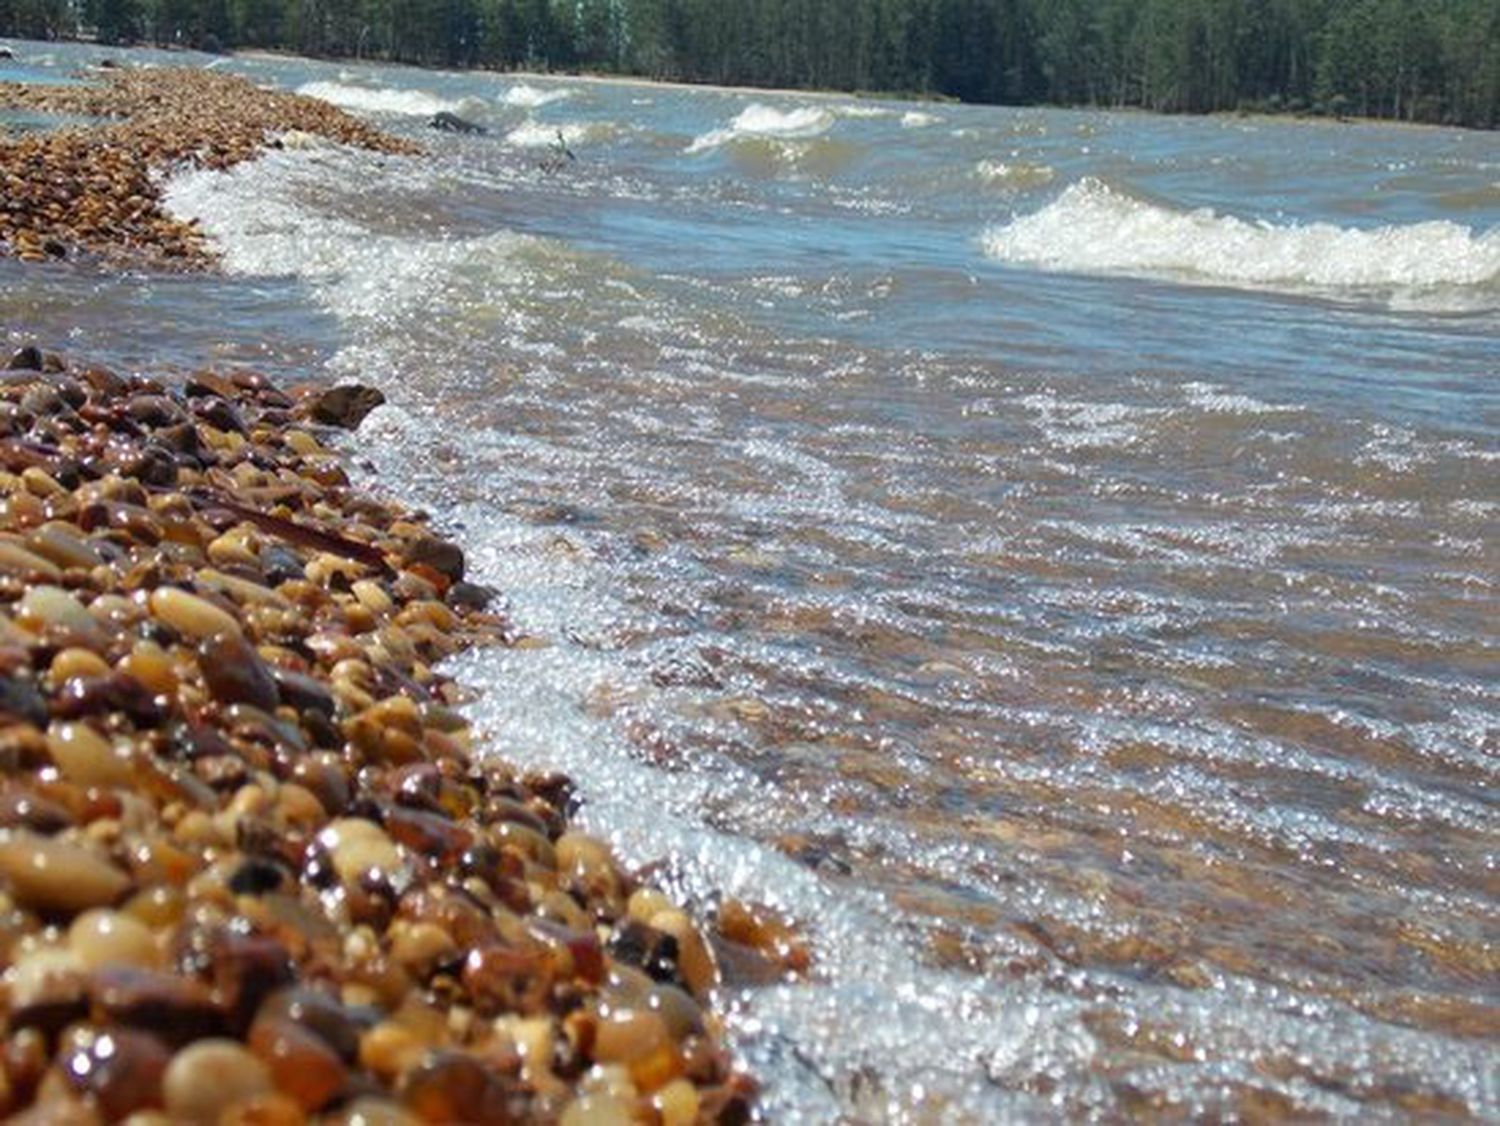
293, 887
904, 97
915, 98
95, 189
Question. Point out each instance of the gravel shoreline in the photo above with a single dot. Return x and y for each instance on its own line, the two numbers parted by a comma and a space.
93, 190
250, 870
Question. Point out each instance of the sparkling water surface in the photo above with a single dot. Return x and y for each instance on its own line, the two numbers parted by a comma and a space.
1050, 555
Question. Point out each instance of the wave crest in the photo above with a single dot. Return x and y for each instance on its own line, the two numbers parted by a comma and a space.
1092, 228
522, 96
379, 99
763, 122
540, 134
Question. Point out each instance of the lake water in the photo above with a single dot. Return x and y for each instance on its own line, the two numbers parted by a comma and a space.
1050, 555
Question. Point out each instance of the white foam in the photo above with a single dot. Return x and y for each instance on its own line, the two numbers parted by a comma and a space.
1093, 228
523, 96
859, 110
379, 99
541, 134
916, 119
765, 122
260, 225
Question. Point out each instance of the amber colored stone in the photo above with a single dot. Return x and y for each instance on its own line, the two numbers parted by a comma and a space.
235, 674
507, 979
581, 953
450, 1087
427, 834
459, 915
246, 970
328, 1018
302, 1064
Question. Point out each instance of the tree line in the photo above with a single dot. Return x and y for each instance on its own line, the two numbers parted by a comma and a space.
1412, 60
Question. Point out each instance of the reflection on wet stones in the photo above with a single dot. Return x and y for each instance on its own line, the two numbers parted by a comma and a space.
248, 863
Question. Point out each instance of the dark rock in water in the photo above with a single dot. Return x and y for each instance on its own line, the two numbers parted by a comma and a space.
452, 123
447, 559
26, 359
471, 596
344, 406
7, 53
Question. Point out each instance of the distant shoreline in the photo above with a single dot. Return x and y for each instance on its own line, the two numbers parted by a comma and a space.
914, 97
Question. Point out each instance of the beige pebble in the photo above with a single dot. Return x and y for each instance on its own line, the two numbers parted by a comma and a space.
88, 758
16, 560
44, 606
238, 545
44, 973
357, 846
533, 1036
41, 483
600, 1109
191, 615
63, 544
372, 597
418, 947
677, 1103
210, 1075
300, 441
101, 937
583, 855
51, 874
646, 902
389, 1049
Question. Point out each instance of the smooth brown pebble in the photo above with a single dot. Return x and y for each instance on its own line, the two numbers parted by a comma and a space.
210, 1075
190, 615
101, 937
54, 875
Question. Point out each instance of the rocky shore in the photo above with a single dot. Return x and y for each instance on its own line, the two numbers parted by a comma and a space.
94, 189
251, 870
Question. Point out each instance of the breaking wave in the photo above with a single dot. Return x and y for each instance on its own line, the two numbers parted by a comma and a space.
1093, 228
540, 134
379, 99
762, 122
523, 96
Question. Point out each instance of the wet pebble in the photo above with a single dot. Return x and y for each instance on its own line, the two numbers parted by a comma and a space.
208, 1077
53, 875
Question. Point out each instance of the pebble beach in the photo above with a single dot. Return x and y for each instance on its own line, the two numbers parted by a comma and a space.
252, 868
997, 692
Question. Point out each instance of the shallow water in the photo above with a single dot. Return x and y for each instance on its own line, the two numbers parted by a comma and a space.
1051, 555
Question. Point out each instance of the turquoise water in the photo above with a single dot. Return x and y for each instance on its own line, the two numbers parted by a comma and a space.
1050, 554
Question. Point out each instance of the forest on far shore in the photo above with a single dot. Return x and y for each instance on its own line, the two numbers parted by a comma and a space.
1411, 60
